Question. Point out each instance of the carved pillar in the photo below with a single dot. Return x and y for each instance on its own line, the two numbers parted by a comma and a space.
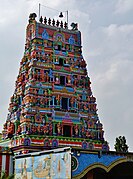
54, 129
16, 123
62, 130
71, 130
53, 100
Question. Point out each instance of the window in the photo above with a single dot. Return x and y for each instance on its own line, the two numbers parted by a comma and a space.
66, 131
73, 131
51, 79
70, 103
49, 115
64, 103
66, 80
61, 61
51, 102
56, 131
59, 47
55, 101
62, 80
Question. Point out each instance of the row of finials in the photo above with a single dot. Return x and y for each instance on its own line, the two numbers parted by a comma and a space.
53, 22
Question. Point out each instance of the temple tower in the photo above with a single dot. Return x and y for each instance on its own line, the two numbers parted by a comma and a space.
53, 105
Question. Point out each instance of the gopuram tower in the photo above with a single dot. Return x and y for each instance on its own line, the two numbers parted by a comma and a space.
52, 105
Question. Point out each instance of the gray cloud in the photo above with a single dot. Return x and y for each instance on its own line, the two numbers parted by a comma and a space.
124, 6
107, 33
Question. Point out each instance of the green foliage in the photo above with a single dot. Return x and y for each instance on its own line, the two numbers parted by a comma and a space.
4, 175
0, 136
120, 144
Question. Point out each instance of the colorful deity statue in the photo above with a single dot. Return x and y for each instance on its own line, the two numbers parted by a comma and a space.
18, 130
10, 129
76, 130
59, 128
50, 129
45, 129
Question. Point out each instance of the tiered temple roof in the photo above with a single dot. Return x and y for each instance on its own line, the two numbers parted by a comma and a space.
53, 105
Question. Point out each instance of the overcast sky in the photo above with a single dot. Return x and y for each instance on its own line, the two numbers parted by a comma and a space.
107, 40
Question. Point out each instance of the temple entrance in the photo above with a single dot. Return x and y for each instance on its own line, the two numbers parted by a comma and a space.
120, 171
66, 131
99, 173
96, 173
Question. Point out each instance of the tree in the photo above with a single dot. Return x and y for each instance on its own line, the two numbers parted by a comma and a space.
120, 144
4, 175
